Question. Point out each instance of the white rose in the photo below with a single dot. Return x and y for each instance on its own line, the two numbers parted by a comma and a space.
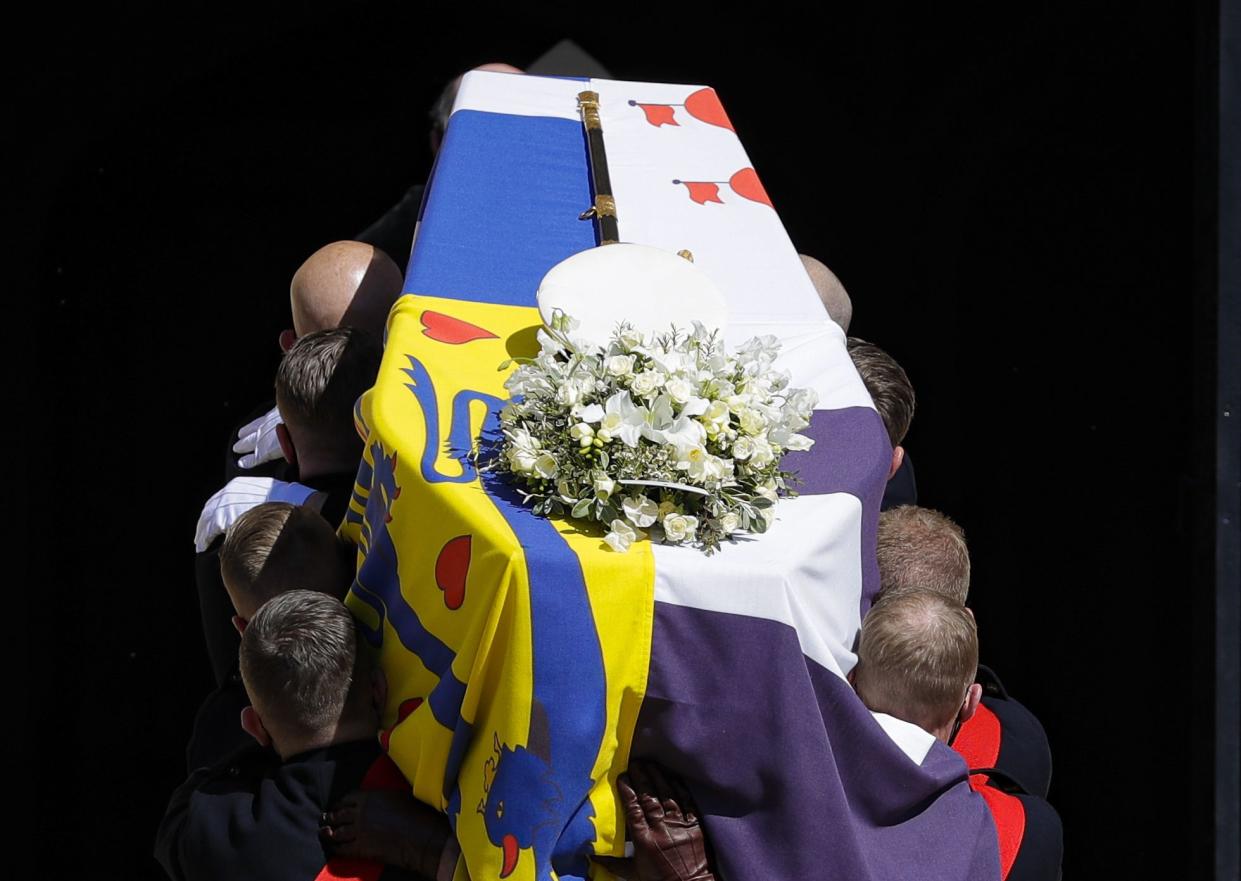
679, 390
620, 365
680, 527
646, 382
729, 523
640, 510
743, 447
629, 338
621, 536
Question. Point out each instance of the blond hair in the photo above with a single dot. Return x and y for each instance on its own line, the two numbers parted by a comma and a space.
276, 547
922, 549
917, 657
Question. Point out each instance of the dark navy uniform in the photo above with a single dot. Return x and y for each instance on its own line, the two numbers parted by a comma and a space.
1006, 749
252, 816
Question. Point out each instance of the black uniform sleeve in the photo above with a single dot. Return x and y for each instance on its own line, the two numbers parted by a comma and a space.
216, 609
1042, 843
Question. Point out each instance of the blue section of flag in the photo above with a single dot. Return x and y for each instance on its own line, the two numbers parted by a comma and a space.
548, 781
503, 217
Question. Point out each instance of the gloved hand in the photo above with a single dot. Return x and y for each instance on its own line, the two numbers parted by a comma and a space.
258, 442
668, 844
238, 496
392, 828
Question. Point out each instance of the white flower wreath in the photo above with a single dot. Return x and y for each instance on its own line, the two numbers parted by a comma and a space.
666, 435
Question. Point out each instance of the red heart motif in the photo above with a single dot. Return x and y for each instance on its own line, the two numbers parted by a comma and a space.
658, 114
406, 707
446, 329
745, 183
705, 105
451, 567
702, 192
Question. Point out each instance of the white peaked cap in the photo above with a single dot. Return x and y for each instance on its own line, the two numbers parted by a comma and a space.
650, 288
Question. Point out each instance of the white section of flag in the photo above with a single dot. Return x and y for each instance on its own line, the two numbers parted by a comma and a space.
741, 245
805, 571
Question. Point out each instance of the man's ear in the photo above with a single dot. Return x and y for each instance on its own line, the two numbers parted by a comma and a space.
970, 707
287, 339
240, 623
898, 456
286, 443
253, 725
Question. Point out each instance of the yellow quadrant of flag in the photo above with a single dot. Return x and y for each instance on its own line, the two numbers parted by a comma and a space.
516, 648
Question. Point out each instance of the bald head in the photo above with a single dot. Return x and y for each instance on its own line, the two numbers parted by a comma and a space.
442, 108
344, 284
833, 294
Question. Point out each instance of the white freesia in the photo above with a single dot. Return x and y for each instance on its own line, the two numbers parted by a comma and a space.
752, 421
568, 394
668, 431
603, 485
588, 413
582, 433
715, 418
622, 418
763, 454
628, 338
640, 510
545, 466
621, 536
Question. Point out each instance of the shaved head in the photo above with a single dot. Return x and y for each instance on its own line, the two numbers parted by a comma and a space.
442, 108
833, 294
344, 284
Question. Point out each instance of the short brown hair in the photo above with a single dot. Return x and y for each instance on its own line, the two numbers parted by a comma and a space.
917, 657
298, 661
321, 378
888, 385
276, 547
922, 549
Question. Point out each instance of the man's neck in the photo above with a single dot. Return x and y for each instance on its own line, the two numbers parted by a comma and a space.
312, 465
345, 732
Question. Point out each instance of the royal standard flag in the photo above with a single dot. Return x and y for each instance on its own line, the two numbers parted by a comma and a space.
527, 662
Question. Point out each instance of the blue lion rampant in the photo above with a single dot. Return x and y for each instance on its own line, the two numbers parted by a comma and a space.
537, 795
522, 799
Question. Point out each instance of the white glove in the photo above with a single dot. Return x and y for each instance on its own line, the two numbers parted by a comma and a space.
258, 440
238, 496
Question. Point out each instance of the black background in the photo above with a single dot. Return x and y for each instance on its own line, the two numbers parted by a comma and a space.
1007, 193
